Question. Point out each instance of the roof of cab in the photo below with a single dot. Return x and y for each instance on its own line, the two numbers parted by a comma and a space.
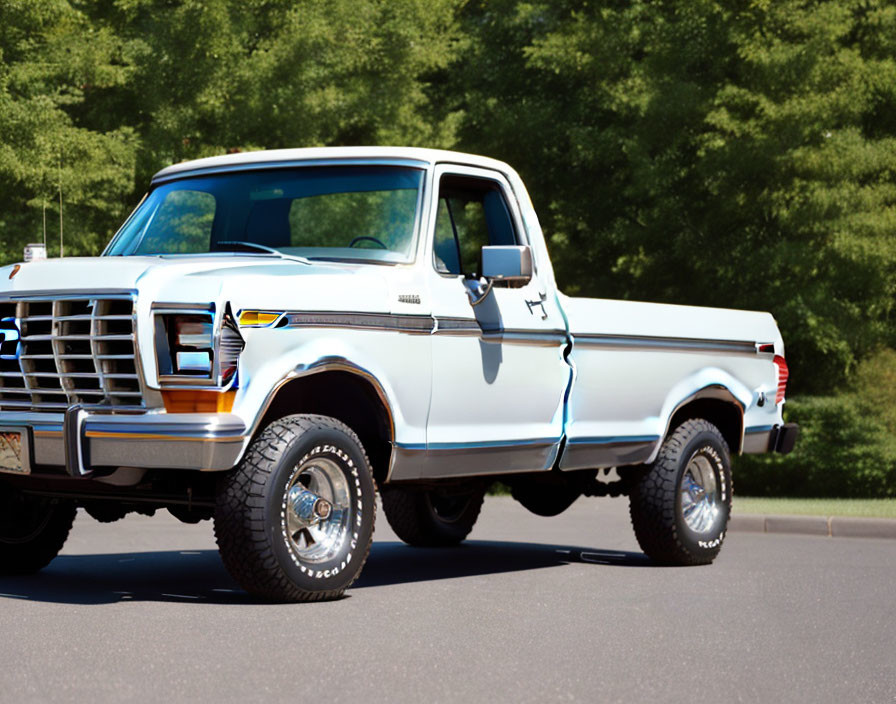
282, 157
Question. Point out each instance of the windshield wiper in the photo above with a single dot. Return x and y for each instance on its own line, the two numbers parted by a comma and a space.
254, 246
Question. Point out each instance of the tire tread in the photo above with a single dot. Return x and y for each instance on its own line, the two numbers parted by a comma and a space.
33, 556
653, 500
240, 529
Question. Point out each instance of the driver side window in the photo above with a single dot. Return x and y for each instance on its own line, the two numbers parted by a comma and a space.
472, 213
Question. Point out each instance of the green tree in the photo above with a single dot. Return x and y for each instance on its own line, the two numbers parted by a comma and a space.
216, 75
97, 96
51, 59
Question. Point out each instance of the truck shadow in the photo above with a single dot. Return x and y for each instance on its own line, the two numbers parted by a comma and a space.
396, 563
198, 576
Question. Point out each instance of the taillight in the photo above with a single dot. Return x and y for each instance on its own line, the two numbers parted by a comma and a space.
783, 373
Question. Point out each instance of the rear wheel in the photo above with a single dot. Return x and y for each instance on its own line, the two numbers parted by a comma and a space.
294, 521
435, 517
681, 504
32, 530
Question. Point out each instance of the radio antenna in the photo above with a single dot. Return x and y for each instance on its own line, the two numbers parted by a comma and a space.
61, 252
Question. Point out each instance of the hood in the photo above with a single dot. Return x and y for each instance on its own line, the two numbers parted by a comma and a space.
245, 280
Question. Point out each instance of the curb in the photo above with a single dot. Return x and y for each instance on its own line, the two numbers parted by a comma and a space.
831, 526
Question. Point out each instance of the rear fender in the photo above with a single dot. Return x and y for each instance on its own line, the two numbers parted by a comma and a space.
709, 383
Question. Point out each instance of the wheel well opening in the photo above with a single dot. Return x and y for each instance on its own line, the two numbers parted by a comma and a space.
726, 416
346, 397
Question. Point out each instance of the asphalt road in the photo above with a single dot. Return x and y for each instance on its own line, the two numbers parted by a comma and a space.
531, 609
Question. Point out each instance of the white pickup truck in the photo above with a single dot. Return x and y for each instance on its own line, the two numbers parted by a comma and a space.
271, 335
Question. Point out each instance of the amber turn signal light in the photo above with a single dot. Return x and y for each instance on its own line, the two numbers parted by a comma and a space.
258, 318
198, 401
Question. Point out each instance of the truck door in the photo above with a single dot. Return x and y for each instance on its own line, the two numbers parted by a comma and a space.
499, 376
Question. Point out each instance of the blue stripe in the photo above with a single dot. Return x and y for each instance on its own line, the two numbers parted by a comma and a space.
410, 446
759, 429
614, 440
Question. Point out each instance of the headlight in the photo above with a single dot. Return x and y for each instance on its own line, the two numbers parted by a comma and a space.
193, 348
194, 332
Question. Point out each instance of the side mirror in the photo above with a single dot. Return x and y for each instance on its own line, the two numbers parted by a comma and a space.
503, 263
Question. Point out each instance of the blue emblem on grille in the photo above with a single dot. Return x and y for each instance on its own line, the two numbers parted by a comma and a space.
9, 339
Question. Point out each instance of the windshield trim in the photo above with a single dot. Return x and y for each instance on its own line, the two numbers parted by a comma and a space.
286, 164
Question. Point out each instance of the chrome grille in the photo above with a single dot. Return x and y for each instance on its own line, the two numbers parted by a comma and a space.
57, 352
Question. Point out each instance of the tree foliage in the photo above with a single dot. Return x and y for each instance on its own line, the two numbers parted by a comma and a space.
847, 446
51, 57
97, 96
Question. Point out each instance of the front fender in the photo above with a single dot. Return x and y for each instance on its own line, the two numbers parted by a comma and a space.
397, 366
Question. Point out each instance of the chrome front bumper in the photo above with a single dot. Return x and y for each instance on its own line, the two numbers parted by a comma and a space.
83, 439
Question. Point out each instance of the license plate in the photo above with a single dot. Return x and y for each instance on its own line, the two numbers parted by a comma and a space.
13, 452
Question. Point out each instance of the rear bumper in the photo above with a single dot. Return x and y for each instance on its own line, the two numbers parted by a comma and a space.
784, 438
83, 439
778, 438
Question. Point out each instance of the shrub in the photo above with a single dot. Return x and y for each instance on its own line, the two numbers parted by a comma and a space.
847, 446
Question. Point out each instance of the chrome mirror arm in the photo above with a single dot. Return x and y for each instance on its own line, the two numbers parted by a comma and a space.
482, 292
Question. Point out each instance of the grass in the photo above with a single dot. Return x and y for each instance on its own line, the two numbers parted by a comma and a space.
864, 508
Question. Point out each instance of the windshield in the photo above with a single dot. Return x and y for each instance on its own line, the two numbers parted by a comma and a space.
357, 213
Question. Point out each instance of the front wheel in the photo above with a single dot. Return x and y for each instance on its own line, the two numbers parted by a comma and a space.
681, 504
294, 521
32, 530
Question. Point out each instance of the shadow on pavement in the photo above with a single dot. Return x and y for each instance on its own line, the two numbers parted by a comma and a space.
198, 576
396, 563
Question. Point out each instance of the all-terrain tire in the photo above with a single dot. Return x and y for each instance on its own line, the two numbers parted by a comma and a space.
431, 518
674, 520
32, 530
255, 529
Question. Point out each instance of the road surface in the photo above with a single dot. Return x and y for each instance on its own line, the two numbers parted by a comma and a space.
529, 610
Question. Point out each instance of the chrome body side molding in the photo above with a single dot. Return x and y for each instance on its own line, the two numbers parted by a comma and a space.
413, 324
669, 343
455, 460
595, 453
417, 324
758, 439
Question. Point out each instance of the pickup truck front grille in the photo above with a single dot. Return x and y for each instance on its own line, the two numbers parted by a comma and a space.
57, 352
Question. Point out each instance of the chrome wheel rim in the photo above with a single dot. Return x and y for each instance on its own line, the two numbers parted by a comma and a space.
700, 494
320, 536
